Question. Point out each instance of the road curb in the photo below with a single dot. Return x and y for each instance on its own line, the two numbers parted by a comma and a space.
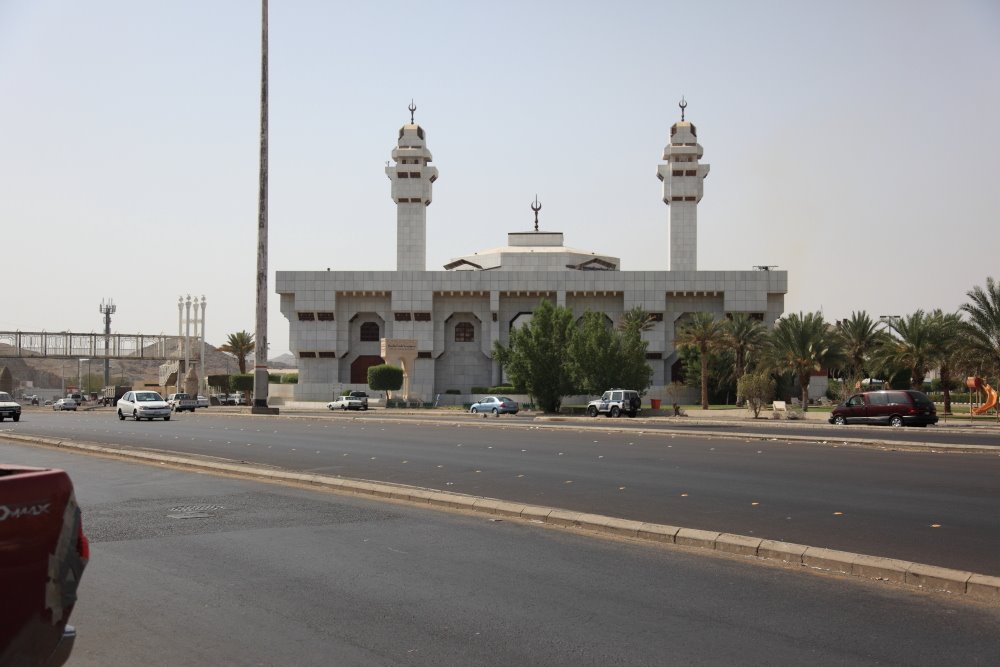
919, 575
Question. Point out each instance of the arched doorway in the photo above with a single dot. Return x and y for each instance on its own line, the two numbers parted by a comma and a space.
360, 366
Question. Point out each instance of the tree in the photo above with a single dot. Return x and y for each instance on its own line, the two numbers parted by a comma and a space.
983, 326
240, 345
913, 347
383, 377
803, 344
636, 319
537, 357
595, 354
757, 389
948, 350
861, 340
705, 333
745, 335
635, 372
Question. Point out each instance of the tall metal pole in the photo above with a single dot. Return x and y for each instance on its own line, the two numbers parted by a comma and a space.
260, 332
108, 309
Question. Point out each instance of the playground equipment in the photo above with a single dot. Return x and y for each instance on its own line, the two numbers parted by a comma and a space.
979, 384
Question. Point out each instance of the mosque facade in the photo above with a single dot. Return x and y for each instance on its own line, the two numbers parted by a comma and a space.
440, 325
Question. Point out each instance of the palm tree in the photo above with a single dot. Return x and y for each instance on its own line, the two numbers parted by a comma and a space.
860, 340
240, 345
983, 325
745, 335
804, 344
913, 347
636, 319
948, 349
707, 334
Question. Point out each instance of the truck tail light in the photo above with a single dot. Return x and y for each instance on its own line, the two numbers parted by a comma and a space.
82, 544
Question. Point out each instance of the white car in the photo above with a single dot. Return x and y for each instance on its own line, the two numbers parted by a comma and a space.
347, 403
64, 404
143, 405
202, 401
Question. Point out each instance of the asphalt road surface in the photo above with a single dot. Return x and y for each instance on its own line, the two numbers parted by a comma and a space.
190, 569
940, 509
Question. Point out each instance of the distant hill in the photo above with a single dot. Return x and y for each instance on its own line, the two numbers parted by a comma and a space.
286, 360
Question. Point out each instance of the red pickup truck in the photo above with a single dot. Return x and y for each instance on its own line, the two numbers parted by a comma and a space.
43, 552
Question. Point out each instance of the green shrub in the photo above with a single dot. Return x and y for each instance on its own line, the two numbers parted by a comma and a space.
385, 378
480, 390
455, 392
290, 378
274, 378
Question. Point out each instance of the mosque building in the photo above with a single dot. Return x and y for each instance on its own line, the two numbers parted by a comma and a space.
440, 325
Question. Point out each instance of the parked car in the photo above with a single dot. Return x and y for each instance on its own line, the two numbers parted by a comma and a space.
202, 401
615, 403
9, 407
143, 405
497, 405
64, 404
893, 407
348, 402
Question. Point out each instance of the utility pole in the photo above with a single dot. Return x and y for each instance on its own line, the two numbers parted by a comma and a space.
260, 332
107, 309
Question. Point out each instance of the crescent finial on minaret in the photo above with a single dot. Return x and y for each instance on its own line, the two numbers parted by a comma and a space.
683, 105
536, 207
412, 108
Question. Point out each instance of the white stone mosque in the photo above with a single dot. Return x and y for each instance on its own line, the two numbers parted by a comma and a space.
440, 325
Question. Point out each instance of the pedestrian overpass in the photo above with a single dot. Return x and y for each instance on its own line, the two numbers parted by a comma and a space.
97, 346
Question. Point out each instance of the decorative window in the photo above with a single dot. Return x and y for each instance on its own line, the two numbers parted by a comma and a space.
307, 355
414, 174
677, 172
423, 355
403, 174
402, 317
654, 355
369, 332
465, 332
422, 317
307, 317
656, 317
328, 355
690, 172
324, 317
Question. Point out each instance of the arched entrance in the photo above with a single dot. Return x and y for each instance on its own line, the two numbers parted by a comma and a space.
360, 366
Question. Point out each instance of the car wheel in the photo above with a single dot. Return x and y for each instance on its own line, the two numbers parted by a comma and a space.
135, 415
2, 418
121, 416
631, 413
17, 418
167, 418
495, 412
592, 411
839, 420
474, 411
616, 412
895, 420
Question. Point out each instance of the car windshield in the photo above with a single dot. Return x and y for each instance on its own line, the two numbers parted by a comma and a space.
147, 396
504, 399
4, 396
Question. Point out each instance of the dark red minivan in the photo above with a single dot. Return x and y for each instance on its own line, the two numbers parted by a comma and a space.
893, 407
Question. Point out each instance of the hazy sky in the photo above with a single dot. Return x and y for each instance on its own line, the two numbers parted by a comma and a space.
854, 144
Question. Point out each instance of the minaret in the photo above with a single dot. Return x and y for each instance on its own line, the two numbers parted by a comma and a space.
411, 177
683, 185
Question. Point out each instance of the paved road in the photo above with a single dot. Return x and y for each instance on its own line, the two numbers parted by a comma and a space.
941, 509
278, 576
984, 432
